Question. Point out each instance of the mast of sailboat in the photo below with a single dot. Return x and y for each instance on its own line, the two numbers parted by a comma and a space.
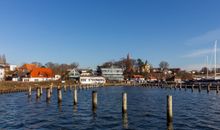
207, 67
215, 56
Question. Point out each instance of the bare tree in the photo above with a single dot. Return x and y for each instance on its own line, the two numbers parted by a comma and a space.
164, 65
37, 63
74, 65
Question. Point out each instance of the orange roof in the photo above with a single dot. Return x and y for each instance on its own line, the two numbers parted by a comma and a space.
29, 67
42, 73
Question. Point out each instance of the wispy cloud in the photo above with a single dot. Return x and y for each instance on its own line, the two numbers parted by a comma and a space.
206, 38
202, 52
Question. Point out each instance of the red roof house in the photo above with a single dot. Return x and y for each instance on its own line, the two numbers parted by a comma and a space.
42, 73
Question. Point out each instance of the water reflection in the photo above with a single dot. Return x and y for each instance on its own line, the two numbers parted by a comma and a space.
125, 120
48, 101
75, 108
169, 125
60, 106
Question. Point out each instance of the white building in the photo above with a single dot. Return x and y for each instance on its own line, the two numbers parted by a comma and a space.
13, 67
113, 74
92, 80
2, 72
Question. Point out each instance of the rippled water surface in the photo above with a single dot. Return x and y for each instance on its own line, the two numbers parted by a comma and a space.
146, 110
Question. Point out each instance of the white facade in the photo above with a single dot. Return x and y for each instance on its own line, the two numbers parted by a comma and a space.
92, 80
114, 74
37, 79
13, 67
2, 73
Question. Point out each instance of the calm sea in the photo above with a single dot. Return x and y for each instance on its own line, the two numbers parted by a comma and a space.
146, 110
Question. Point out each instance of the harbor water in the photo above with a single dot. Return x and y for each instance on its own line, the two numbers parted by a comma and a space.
146, 110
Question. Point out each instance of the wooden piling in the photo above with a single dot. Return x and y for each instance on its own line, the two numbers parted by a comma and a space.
41, 90
48, 91
29, 92
217, 88
180, 86
200, 87
169, 109
75, 96
64, 88
94, 100
51, 88
124, 103
193, 87
59, 94
208, 88
38, 92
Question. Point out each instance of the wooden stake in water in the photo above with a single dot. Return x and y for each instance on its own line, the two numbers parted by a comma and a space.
29, 92
38, 92
217, 88
75, 96
48, 94
94, 100
169, 109
51, 88
180, 86
200, 87
64, 88
193, 87
208, 88
41, 91
124, 103
59, 94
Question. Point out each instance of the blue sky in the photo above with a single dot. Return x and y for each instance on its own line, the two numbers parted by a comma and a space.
91, 32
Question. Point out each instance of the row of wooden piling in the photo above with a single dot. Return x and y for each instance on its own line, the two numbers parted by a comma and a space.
200, 87
39, 92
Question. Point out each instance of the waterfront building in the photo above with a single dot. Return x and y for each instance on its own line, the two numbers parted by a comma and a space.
2, 72
40, 74
89, 80
85, 72
112, 74
73, 74
138, 78
28, 67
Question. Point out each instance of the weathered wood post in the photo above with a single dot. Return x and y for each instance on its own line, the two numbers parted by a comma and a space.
217, 88
200, 87
94, 100
38, 92
29, 92
75, 96
48, 91
193, 87
64, 88
169, 109
125, 120
180, 86
124, 103
208, 88
51, 88
59, 94
41, 90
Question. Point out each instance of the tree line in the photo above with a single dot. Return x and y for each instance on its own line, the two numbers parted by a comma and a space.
57, 68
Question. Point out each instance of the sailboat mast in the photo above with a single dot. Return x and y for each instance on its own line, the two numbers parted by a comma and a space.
207, 67
215, 56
